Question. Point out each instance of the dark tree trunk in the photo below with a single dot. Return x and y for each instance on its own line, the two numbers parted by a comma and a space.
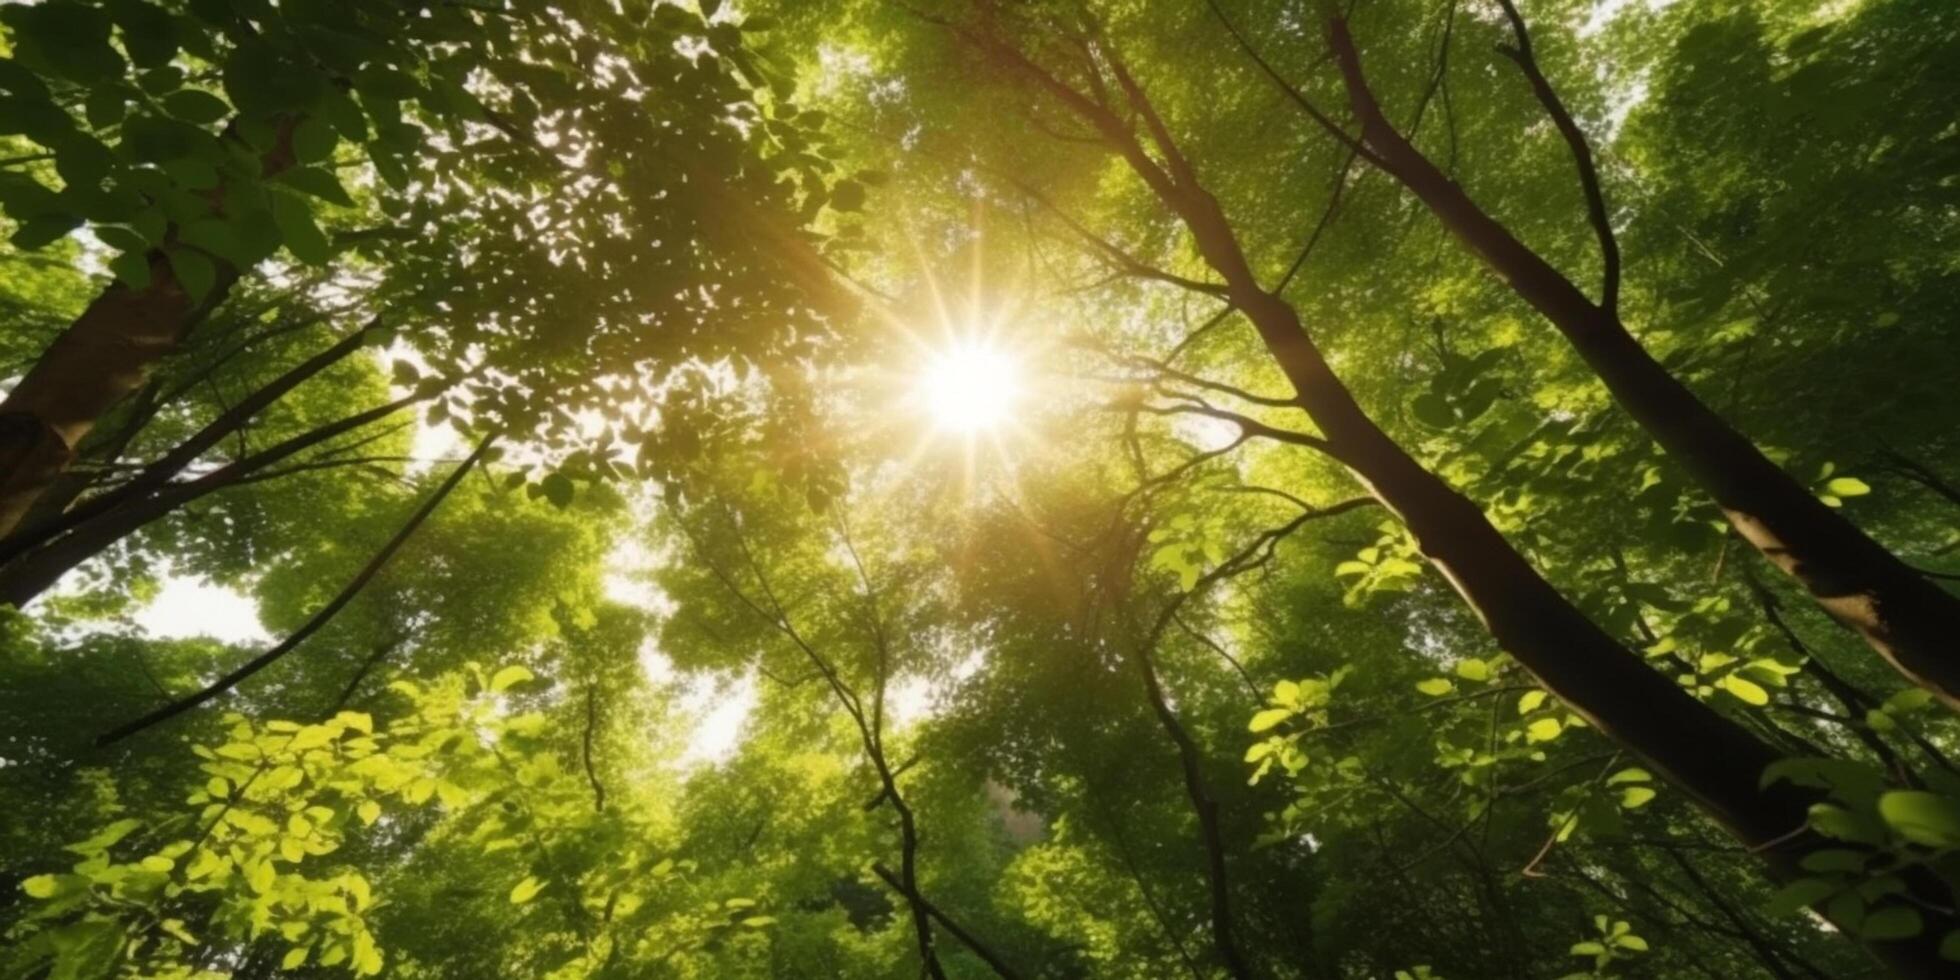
1713, 760
30, 574
99, 360
157, 474
1912, 622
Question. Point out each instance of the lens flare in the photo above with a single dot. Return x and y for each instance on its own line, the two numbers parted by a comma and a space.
970, 388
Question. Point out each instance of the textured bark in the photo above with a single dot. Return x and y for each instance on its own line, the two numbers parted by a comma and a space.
1912, 622
99, 360
103, 447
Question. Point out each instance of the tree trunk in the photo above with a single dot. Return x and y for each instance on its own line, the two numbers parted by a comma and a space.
1911, 622
107, 353
157, 474
24, 578
103, 447
1715, 761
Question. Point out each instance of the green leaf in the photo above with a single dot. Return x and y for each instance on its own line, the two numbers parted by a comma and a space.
314, 139
1634, 797
557, 488
1847, 486
1435, 687
1747, 690
510, 676
298, 232
1892, 922
194, 272
369, 811
1472, 669
319, 183
525, 891
293, 959
1433, 410
194, 106
1799, 894
1268, 718
39, 232
1530, 701
1543, 730
1922, 817
132, 268
1834, 860
40, 886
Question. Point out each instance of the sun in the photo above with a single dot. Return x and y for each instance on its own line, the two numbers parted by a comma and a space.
970, 388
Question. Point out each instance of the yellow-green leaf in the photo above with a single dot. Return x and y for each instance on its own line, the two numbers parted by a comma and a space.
1749, 691
504, 679
1435, 687
525, 891
1268, 718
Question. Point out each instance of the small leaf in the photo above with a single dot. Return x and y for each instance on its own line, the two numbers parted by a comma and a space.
525, 891
192, 105
314, 140
1635, 797
194, 272
1802, 893
132, 269
297, 230
370, 811
1268, 718
40, 886
1847, 486
1472, 669
319, 183
1543, 730
294, 957
1435, 687
509, 676
1530, 701
1922, 817
1892, 922
1747, 690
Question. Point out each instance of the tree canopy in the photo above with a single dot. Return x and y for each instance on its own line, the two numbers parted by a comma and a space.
1402, 489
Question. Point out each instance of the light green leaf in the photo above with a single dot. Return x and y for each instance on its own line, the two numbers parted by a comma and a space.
510, 676
1268, 718
525, 891
1922, 817
1435, 687
1847, 486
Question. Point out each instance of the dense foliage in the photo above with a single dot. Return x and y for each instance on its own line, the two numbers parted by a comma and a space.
1040, 488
